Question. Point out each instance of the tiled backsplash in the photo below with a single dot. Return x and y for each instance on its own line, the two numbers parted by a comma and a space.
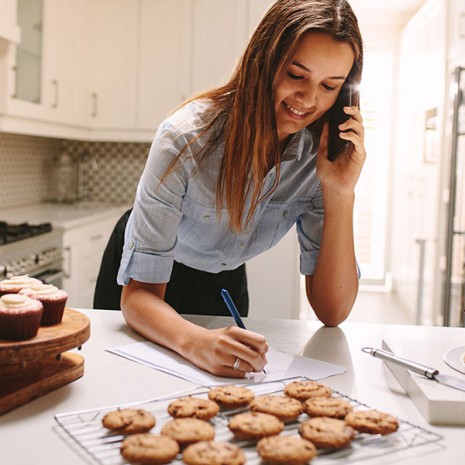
24, 177
109, 171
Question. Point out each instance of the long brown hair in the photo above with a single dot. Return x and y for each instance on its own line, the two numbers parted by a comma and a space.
245, 104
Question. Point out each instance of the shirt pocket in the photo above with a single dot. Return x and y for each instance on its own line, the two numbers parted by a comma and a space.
275, 222
202, 227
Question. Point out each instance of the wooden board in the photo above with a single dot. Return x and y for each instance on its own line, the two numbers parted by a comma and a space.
31, 368
53, 374
72, 332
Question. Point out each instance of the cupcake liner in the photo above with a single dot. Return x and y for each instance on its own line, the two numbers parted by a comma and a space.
53, 310
52, 299
20, 325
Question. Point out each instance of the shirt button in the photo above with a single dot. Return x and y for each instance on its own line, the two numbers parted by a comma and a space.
223, 264
241, 245
286, 213
206, 218
131, 245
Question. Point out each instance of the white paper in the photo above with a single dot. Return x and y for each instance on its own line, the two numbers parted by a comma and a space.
280, 365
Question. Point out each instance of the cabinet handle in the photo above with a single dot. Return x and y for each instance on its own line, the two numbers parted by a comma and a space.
15, 80
94, 104
56, 93
67, 262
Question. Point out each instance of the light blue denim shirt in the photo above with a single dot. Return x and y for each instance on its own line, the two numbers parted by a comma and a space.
178, 220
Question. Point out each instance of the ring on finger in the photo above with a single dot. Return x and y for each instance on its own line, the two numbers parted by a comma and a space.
236, 363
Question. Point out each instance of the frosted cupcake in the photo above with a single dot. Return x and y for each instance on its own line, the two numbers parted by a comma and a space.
14, 284
19, 316
53, 300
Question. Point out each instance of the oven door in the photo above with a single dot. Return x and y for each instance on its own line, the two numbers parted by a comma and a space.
53, 275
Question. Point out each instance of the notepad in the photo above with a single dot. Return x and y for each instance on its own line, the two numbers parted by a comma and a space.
281, 365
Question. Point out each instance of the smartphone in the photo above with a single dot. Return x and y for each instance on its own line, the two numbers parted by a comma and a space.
336, 116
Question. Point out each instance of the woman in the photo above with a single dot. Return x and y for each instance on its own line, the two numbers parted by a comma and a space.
232, 170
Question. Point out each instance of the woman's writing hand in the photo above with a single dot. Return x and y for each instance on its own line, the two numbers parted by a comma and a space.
217, 350
342, 174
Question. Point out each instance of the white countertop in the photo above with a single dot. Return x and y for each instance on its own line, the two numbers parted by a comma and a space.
30, 434
62, 215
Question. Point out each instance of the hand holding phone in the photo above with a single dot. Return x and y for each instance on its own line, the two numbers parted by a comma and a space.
336, 116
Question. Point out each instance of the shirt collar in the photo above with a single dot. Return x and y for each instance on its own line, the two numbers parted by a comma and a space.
300, 143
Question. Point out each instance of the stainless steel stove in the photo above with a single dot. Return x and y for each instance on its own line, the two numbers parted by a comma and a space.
32, 249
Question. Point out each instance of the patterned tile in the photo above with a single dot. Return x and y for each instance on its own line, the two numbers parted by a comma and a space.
108, 171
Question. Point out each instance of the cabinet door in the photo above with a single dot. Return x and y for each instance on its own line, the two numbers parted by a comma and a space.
219, 38
163, 77
84, 248
111, 46
9, 30
21, 66
41, 71
61, 28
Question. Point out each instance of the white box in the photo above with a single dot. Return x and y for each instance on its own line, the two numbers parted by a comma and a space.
437, 403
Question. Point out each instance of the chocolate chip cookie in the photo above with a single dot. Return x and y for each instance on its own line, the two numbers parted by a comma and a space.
288, 450
149, 449
327, 432
213, 453
303, 390
203, 409
188, 430
231, 396
333, 407
129, 421
283, 407
372, 422
255, 425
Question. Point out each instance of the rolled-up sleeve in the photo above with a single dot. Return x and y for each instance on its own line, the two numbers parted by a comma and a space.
151, 231
310, 229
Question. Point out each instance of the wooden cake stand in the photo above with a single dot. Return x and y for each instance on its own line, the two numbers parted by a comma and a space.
31, 368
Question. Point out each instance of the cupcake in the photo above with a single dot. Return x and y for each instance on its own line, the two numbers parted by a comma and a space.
53, 300
14, 284
19, 316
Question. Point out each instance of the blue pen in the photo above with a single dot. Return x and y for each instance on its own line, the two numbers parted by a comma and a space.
233, 310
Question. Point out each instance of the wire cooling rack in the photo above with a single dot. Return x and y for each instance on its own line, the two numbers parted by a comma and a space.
103, 447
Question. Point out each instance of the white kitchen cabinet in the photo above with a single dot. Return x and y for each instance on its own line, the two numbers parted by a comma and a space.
109, 63
21, 68
163, 73
61, 46
87, 76
40, 73
114, 69
9, 30
273, 281
220, 32
83, 250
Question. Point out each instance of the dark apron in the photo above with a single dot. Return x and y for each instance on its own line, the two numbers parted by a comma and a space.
188, 291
